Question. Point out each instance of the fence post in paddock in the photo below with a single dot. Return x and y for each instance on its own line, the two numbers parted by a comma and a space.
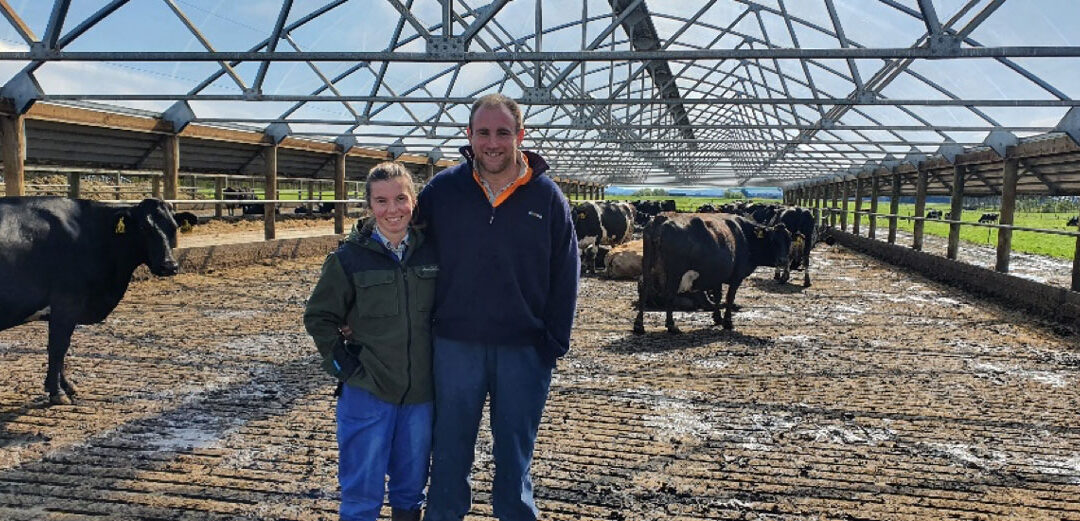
74, 181
1076, 265
920, 208
844, 207
894, 206
170, 171
339, 192
1008, 210
311, 195
875, 194
956, 211
858, 205
270, 192
14, 145
219, 194
835, 189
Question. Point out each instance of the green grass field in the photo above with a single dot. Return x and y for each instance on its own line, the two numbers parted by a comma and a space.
1059, 246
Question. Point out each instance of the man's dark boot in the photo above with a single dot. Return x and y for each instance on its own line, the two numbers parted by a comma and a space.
397, 514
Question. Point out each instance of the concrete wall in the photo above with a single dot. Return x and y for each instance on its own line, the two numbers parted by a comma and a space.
1058, 304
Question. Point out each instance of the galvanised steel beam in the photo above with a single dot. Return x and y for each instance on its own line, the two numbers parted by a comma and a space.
275, 36
858, 53
578, 101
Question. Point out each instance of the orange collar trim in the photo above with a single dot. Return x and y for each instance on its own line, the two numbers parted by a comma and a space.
497, 199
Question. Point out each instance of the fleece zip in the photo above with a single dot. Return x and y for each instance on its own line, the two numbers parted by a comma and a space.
508, 273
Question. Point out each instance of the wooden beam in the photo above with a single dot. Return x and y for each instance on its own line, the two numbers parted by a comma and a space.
1008, 209
956, 212
920, 208
894, 207
875, 194
171, 169
270, 191
14, 152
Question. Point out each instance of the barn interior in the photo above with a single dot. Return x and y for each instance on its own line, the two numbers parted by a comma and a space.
920, 377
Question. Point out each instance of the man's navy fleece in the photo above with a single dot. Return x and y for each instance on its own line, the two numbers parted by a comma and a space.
508, 274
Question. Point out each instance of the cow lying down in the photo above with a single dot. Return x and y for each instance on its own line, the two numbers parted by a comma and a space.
686, 253
70, 261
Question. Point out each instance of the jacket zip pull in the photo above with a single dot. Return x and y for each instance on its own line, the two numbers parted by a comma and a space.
492, 219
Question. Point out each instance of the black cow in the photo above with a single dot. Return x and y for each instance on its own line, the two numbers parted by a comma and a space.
1074, 221
800, 222
69, 261
645, 210
237, 194
933, 214
668, 205
601, 222
186, 220
702, 252
707, 208
988, 218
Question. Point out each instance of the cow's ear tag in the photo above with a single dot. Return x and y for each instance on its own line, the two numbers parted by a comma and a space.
581, 215
760, 232
120, 227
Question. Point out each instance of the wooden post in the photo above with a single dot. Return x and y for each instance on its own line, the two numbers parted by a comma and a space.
155, 186
1076, 265
270, 158
858, 205
14, 145
956, 212
844, 206
835, 189
920, 208
74, 180
339, 192
219, 194
171, 170
1008, 210
894, 207
875, 194
116, 190
310, 196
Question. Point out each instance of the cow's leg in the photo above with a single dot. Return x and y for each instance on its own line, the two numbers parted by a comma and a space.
729, 304
639, 322
717, 317
806, 273
60, 330
670, 295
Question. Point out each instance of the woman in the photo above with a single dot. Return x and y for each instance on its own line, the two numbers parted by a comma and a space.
370, 317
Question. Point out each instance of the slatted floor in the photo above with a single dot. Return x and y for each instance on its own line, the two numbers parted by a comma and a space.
873, 394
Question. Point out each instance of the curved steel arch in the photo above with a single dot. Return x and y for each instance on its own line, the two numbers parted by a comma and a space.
728, 117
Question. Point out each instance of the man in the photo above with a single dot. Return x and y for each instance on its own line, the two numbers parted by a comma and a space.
504, 306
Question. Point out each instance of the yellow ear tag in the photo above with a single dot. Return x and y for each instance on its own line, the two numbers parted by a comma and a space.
186, 227
120, 228
581, 216
760, 233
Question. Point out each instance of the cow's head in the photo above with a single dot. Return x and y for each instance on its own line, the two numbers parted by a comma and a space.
151, 226
586, 223
777, 241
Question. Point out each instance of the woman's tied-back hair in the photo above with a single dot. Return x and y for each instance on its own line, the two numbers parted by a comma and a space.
386, 171
494, 100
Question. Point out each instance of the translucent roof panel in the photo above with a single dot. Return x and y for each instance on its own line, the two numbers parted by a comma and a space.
720, 92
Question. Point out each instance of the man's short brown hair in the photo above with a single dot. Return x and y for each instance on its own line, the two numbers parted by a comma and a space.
494, 100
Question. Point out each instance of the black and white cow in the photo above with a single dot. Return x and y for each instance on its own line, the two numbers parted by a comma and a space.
601, 222
933, 214
800, 222
1073, 221
69, 261
688, 253
988, 218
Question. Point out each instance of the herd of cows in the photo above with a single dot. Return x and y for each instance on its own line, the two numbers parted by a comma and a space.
683, 260
69, 261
